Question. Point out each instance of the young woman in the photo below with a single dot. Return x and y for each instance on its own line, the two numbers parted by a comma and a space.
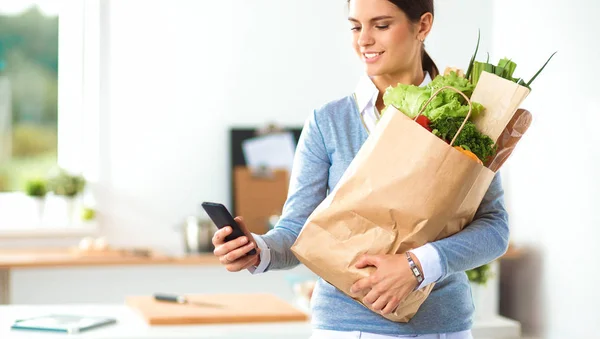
388, 36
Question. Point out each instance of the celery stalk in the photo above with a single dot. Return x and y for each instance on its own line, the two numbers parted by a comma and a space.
509, 67
477, 69
500, 71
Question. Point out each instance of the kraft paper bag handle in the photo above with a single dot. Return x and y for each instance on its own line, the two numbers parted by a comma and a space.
466, 118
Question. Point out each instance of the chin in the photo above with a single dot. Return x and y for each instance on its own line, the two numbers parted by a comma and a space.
373, 70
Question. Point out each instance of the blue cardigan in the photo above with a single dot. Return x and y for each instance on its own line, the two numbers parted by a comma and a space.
330, 139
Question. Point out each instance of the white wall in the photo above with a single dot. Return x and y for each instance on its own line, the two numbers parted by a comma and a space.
184, 72
454, 35
554, 188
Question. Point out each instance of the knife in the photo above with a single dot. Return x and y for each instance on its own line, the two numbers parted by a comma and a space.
180, 299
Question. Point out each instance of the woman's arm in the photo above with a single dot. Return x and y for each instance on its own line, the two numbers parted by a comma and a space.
308, 188
482, 241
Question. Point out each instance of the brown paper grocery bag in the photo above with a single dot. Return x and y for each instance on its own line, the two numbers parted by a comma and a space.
404, 188
501, 98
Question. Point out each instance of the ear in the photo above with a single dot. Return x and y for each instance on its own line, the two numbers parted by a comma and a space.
424, 26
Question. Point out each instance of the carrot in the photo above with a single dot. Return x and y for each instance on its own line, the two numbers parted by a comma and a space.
469, 154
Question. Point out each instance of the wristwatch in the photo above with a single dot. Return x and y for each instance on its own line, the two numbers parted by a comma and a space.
414, 268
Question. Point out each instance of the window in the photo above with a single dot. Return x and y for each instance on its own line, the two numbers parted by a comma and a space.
28, 91
49, 97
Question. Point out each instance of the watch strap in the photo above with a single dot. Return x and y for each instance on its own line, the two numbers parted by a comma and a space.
414, 268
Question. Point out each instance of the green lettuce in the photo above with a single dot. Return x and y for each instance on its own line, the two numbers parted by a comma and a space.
452, 79
406, 98
409, 99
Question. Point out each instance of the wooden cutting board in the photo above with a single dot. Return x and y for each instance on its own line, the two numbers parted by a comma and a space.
222, 308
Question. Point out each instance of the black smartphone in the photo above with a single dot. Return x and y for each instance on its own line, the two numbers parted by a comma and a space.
221, 217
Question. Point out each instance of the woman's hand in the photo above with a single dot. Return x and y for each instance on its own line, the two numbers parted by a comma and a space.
389, 284
232, 254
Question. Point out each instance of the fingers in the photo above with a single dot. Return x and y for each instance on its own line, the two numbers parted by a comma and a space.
241, 264
380, 303
372, 296
391, 306
361, 263
229, 246
367, 260
240, 221
237, 253
361, 285
384, 303
219, 236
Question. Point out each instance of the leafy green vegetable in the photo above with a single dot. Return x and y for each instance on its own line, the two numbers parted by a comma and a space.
538, 72
504, 69
448, 102
406, 98
469, 138
470, 68
409, 99
509, 67
452, 79
446, 111
453, 109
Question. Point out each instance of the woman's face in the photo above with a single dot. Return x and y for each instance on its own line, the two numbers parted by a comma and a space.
383, 37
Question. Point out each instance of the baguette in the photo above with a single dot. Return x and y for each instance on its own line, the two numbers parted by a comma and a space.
510, 136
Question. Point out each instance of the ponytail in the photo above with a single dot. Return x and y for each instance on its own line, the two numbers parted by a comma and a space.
429, 65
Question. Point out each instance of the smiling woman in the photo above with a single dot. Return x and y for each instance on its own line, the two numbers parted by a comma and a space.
388, 37
392, 44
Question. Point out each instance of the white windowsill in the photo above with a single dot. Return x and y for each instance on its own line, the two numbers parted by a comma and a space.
18, 219
54, 231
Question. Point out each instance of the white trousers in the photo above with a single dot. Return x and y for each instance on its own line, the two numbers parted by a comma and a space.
326, 334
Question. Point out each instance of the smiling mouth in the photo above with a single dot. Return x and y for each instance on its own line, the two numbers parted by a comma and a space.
372, 55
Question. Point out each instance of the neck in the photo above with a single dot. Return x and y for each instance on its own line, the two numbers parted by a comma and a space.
413, 77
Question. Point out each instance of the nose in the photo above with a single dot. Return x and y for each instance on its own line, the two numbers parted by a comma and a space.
365, 38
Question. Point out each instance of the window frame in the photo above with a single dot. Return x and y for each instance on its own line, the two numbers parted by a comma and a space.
81, 62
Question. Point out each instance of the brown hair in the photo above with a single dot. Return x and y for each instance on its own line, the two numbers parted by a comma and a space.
414, 9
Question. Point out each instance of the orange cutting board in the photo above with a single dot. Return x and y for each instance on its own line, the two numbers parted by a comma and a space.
215, 309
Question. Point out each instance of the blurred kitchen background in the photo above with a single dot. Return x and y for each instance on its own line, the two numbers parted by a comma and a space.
145, 104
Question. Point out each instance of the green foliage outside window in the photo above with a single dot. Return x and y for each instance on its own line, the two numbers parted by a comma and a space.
28, 129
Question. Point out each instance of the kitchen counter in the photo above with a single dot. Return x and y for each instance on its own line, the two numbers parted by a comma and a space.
27, 259
131, 326
72, 257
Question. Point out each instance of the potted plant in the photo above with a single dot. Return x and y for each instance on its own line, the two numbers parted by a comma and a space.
66, 186
36, 189
480, 275
63, 183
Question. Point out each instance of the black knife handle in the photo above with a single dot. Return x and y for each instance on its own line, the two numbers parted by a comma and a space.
170, 297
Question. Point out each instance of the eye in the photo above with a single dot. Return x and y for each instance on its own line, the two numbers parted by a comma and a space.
382, 27
355, 28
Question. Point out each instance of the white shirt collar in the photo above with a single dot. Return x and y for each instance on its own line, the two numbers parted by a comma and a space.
366, 91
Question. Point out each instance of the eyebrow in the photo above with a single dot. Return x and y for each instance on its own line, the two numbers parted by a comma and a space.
377, 18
